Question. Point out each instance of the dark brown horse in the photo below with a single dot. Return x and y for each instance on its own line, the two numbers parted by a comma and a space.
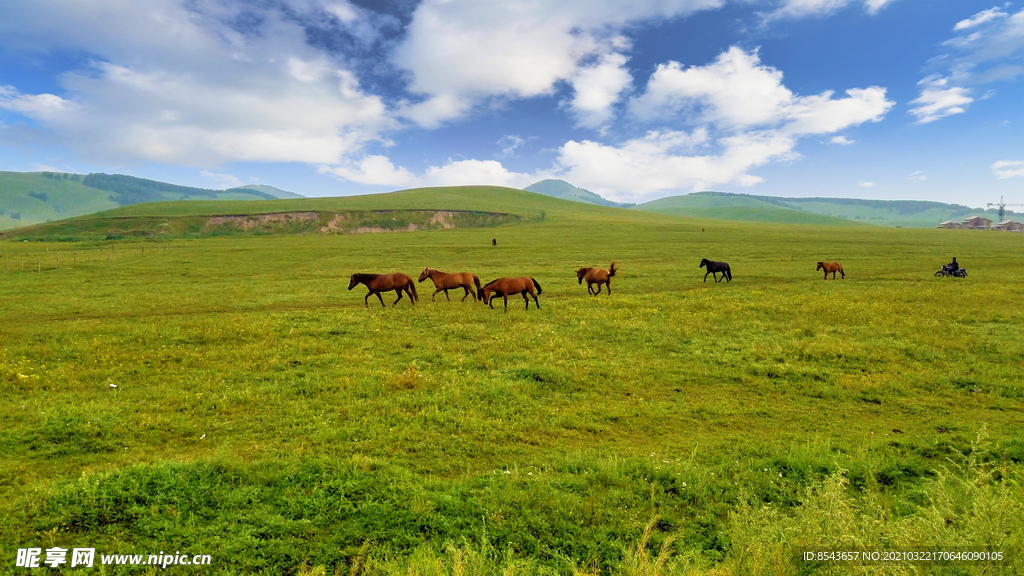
715, 267
446, 282
378, 283
505, 286
832, 267
596, 276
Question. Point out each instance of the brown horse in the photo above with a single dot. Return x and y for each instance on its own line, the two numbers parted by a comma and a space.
378, 283
832, 267
596, 276
446, 282
505, 286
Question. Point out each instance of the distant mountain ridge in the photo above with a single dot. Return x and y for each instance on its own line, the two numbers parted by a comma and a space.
565, 191
729, 206
28, 198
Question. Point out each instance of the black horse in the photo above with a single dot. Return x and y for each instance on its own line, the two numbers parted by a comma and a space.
715, 267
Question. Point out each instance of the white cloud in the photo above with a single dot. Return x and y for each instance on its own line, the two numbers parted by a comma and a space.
980, 18
866, 184
223, 180
509, 143
737, 92
988, 48
936, 101
597, 88
873, 6
806, 8
917, 175
841, 140
1008, 168
459, 54
744, 117
379, 170
665, 161
180, 85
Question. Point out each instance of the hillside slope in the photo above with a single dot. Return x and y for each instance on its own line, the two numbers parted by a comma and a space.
906, 213
566, 191
406, 210
28, 198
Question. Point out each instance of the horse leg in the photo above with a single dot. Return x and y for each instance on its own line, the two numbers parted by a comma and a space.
490, 301
366, 300
598, 289
506, 301
609, 285
466, 295
706, 275
535, 301
381, 299
590, 288
399, 292
434, 294
526, 298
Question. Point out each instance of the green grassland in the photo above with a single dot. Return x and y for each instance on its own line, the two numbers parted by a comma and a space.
228, 396
900, 213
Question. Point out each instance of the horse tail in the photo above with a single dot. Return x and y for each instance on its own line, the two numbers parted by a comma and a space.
841, 271
537, 284
415, 296
612, 270
476, 280
728, 272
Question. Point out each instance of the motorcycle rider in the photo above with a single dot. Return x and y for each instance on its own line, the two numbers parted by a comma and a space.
953, 266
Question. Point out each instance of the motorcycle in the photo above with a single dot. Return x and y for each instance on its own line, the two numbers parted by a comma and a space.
947, 271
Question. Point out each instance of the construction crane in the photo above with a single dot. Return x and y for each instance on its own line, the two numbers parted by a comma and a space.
1002, 207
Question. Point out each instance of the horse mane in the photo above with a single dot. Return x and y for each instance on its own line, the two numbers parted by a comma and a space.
360, 276
491, 282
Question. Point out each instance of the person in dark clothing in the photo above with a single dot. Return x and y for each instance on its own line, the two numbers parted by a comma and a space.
954, 265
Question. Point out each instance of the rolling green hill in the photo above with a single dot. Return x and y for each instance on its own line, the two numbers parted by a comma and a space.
905, 213
406, 210
564, 190
28, 198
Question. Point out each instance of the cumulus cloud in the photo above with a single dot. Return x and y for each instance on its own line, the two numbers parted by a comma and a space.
1008, 168
841, 140
519, 50
745, 118
379, 170
177, 83
737, 92
937, 101
597, 88
664, 161
917, 175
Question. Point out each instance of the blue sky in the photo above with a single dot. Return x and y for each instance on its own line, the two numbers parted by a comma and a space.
633, 99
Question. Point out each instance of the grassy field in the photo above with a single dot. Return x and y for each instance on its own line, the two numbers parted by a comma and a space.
228, 396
